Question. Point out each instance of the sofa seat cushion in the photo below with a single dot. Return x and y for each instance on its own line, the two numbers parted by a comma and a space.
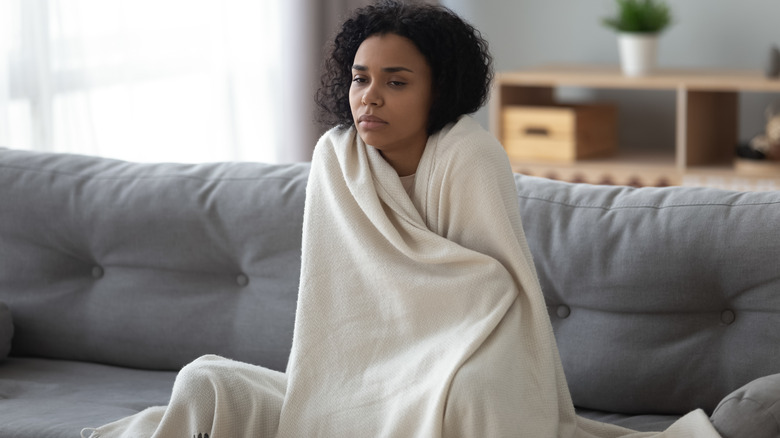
642, 423
43, 398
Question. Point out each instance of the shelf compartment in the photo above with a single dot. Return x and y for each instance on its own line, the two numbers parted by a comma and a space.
706, 119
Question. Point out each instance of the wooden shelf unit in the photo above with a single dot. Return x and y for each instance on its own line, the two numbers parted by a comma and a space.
706, 121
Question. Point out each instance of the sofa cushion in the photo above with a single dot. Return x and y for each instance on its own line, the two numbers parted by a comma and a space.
641, 423
752, 411
6, 330
44, 398
663, 300
150, 265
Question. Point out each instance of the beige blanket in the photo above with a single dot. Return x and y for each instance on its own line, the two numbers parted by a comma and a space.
417, 317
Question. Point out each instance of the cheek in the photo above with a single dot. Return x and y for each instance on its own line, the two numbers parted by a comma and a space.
354, 102
422, 107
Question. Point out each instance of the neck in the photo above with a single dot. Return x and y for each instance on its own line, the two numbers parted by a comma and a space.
406, 158
405, 164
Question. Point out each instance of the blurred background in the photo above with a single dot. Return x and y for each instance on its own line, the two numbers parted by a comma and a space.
211, 80
717, 34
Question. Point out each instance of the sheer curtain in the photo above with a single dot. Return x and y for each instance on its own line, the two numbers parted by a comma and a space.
164, 80
159, 80
307, 27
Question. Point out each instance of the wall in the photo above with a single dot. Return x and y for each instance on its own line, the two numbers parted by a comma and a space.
706, 33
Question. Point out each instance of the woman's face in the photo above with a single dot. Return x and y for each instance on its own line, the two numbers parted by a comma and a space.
390, 98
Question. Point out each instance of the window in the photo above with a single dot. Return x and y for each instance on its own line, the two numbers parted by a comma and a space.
142, 80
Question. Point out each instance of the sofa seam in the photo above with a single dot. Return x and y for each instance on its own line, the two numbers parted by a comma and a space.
646, 206
138, 177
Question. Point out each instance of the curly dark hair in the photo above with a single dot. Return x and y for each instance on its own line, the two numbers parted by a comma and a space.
460, 63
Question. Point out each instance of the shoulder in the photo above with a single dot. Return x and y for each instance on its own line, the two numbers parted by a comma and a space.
465, 144
333, 138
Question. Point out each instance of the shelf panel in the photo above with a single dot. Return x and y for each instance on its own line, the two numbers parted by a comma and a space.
627, 167
643, 169
597, 76
727, 179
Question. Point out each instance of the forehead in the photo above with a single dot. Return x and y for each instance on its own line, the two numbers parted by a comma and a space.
389, 50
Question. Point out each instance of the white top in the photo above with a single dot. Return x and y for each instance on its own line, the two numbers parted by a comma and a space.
408, 183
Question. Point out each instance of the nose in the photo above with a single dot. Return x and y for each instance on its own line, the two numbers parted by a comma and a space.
372, 96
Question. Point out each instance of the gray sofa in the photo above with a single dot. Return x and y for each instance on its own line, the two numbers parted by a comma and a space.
114, 275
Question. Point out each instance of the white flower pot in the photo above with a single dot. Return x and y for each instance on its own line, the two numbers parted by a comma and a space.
638, 53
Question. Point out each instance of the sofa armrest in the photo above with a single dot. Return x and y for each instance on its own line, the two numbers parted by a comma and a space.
751, 411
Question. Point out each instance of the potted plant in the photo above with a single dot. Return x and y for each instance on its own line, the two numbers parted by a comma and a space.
638, 23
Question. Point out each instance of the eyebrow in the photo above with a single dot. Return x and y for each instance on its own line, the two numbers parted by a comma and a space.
384, 69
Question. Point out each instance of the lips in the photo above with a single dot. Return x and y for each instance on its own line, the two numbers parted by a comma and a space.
368, 121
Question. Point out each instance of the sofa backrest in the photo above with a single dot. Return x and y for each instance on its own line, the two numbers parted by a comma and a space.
662, 299
149, 265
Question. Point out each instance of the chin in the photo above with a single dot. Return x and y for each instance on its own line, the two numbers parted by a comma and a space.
372, 140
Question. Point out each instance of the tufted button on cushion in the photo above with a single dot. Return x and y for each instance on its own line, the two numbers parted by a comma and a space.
727, 317
242, 280
172, 236
563, 311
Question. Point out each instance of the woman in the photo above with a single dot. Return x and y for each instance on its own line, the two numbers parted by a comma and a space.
419, 312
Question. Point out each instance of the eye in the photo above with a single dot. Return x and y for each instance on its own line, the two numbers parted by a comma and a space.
358, 79
396, 83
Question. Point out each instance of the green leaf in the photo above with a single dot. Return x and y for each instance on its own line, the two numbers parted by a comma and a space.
647, 16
